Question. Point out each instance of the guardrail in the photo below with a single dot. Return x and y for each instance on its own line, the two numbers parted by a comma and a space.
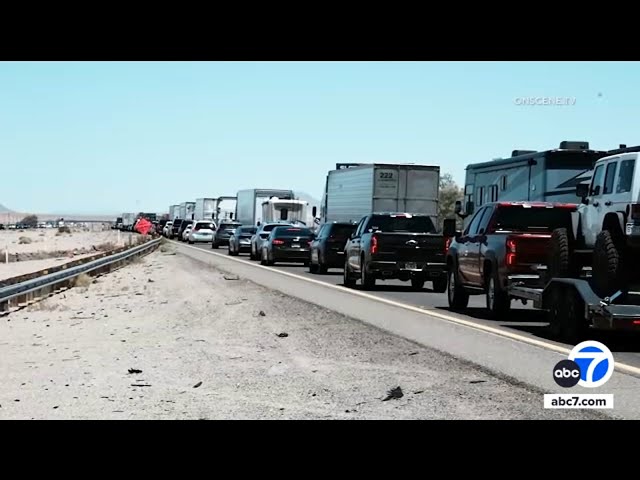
28, 291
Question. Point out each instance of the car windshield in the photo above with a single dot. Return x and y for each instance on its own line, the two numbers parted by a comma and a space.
204, 226
288, 232
229, 226
248, 230
342, 232
388, 223
269, 227
539, 219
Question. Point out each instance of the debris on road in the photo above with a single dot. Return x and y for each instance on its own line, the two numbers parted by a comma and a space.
262, 314
418, 392
394, 394
140, 385
134, 370
477, 381
283, 335
234, 302
150, 281
197, 385
231, 276
413, 353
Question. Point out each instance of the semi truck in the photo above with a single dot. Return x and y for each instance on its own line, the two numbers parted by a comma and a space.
187, 210
174, 212
249, 203
225, 208
529, 175
205, 208
355, 190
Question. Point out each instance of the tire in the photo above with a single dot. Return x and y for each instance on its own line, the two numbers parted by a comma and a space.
313, 268
498, 302
566, 315
229, 252
263, 258
607, 265
322, 267
367, 280
190, 242
417, 284
214, 245
440, 285
560, 262
457, 296
347, 279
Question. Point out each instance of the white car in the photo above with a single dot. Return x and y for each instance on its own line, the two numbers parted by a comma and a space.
201, 231
167, 228
185, 234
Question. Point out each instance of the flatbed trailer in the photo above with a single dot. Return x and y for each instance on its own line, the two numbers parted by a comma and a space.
573, 307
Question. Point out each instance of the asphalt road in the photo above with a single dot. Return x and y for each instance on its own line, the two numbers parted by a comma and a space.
524, 319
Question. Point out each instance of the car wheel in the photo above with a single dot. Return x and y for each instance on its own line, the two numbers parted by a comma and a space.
367, 280
214, 245
417, 283
313, 268
457, 296
498, 302
607, 267
322, 266
347, 279
252, 255
439, 285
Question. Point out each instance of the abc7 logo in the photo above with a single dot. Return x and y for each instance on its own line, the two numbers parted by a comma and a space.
566, 373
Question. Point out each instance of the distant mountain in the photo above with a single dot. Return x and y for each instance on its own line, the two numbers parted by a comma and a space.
4, 209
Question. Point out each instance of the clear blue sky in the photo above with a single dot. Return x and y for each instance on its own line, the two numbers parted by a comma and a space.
103, 137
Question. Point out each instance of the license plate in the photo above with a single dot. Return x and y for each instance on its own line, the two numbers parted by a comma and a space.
410, 266
295, 245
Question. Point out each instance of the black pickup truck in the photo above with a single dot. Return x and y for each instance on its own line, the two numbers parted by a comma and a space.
398, 246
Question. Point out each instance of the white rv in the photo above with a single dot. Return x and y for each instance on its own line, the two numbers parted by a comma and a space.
294, 211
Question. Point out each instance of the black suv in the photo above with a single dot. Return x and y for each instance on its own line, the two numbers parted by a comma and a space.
223, 233
183, 227
327, 250
175, 228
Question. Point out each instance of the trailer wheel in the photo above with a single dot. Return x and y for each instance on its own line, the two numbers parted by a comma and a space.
367, 280
559, 263
607, 265
566, 315
457, 296
498, 301
417, 284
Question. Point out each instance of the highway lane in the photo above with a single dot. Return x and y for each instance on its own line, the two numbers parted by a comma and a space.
523, 320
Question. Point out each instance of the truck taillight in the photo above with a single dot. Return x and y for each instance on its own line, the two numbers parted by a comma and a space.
635, 211
511, 252
374, 245
278, 242
447, 244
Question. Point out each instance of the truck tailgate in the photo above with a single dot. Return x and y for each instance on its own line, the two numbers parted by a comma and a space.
413, 247
529, 249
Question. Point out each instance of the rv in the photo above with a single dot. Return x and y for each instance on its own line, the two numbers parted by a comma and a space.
294, 211
249, 203
528, 175
225, 208
187, 210
354, 190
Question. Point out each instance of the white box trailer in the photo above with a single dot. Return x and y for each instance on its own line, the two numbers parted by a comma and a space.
353, 191
205, 208
225, 208
174, 211
186, 210
546, 176
249, 203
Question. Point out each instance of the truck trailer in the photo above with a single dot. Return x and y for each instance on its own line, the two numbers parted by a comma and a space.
249, 203
355, 190
187, 210
174, 212
528, 175
225, 208
205, 208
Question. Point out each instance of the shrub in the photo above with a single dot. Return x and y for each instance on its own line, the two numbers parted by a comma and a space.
24, 240
83, 280
64, 229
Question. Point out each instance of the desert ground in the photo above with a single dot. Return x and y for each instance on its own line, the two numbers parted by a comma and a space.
32, 250
168, 337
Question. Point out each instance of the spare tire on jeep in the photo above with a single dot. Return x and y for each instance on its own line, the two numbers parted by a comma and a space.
607, 270
560, 261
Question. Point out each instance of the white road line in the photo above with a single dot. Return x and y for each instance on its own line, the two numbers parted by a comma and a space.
622, 367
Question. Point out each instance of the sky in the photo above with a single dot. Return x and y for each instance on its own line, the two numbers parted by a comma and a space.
112, 137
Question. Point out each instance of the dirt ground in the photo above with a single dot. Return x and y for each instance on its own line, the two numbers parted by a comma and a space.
170, 338
46, 248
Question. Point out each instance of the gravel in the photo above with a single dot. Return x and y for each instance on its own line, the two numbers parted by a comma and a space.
192, 345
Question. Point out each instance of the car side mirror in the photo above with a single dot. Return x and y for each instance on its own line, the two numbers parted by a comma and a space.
582, 190
449, 227
458, 207
314, 210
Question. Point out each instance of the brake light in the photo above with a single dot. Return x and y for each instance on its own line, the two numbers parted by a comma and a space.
278, 242
635, 211
447, 244
511, 252
374, 245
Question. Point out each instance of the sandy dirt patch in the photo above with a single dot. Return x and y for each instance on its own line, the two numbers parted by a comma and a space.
171, 338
